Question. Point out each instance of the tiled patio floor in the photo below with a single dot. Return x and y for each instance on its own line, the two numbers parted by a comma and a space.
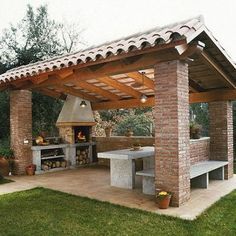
93, 182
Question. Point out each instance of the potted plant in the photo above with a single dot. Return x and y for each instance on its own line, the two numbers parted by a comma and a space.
195, 130
129, 132
108, 126
163, 199
30, 169
6, 154
136, 146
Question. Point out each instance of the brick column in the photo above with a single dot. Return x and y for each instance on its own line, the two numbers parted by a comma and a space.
21, 128
221, 134
172, 142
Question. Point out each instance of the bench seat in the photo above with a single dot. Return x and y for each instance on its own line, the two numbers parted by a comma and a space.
200, 173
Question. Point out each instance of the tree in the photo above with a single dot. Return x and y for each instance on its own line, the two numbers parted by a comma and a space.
36, 37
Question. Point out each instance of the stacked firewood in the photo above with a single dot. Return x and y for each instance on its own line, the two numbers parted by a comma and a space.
47, 165
82, 157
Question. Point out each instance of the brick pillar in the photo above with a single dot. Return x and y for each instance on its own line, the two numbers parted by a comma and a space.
221, 134
21, 128
172, 142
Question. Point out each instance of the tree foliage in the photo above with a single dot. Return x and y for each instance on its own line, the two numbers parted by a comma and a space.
36, 37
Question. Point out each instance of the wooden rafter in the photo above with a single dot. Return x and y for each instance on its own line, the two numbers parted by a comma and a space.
195, 86
210, 96
119, 86
51, 93
129, 103
212, 64
214, 95
94, 89
142, 79
75, 92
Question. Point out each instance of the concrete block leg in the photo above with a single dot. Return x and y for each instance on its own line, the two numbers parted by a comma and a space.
201, 181
148, 163
37, 159
122, 173
217, 174
148, 185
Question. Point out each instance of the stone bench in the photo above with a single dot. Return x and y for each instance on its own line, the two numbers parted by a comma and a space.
200, 174
148, 181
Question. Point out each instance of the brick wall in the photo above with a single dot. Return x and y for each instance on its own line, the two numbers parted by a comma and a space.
199, 150
172, 142
221, 133
21, 128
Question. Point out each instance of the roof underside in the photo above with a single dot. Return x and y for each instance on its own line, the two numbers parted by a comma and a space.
113, 71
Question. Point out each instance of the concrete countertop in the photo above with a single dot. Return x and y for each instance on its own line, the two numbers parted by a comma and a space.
127, 154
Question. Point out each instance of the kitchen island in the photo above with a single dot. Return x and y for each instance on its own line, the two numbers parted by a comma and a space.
122, 165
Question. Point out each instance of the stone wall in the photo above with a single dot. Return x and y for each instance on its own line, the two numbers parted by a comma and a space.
199, 150
21, 128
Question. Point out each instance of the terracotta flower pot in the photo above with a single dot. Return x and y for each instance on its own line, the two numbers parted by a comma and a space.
163, 203
108, 131
4, 166
30, 170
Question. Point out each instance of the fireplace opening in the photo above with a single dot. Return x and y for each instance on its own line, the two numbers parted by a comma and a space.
82, 134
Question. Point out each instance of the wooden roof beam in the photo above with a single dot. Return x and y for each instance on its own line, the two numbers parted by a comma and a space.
51, 93
75, 92
216, 68
126, 103
210, 96
95, 89
120, 86
195, 86
142, 79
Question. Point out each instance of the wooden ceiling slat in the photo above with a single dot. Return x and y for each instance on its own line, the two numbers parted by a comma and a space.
76, 92
210, 62
119, 86
98, 90
142, 79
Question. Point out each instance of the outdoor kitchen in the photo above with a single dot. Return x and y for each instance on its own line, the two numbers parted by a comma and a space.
74, 147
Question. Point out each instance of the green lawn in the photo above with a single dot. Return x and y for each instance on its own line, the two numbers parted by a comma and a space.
47, 212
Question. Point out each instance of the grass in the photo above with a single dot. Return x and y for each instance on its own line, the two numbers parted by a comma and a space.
46, 212
5, 181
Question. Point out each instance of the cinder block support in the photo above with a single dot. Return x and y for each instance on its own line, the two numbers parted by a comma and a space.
21, 128
172, 142
221, 134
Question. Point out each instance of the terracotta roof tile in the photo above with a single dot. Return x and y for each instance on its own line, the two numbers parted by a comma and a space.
138, 41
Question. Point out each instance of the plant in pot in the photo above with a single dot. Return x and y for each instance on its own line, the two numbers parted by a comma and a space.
129, 132
30, 169
136, 146
195, 130
108, 126
6, 155
163, 199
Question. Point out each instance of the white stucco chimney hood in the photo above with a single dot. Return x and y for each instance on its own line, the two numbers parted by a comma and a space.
72, 114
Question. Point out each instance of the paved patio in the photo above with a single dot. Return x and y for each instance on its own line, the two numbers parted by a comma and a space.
93, 182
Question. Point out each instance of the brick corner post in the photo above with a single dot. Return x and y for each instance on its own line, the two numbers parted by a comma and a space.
221, 134
172, 141
21, 128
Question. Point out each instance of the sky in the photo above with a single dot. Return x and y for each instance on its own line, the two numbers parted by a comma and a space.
105, 20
